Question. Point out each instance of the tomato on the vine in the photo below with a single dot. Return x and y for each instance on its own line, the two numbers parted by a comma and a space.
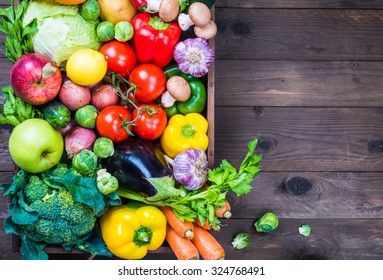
150, 82
121, 57
150, 121
114, 122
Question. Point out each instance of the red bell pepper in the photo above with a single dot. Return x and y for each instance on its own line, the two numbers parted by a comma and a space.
140, 5
154, 40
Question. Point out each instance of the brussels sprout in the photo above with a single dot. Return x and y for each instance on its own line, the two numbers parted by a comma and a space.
267, 223
241, 240
105, 31
86, 116
304, 230
85, 162
106, 183
103, 147
123, 31
90, 10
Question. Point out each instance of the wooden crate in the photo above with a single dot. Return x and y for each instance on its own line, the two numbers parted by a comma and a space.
59, 252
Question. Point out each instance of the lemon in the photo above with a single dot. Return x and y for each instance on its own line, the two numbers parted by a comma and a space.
70, 2
86, 67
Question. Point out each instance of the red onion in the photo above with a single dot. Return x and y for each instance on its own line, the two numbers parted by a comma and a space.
104, 95
65, 130
79, 139
190, 168
73, 95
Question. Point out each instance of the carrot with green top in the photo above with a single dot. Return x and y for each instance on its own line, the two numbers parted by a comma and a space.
182, 247
207, 246
224, 211
182, 228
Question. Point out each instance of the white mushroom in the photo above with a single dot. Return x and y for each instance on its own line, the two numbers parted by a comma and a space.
153, 6
206, 32
199, 14
178, 88
167, 100
169, 10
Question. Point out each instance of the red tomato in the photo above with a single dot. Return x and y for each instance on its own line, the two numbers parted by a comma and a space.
113, 123
150, 81
121, 57
151, 121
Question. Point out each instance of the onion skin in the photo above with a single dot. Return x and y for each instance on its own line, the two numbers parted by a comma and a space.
104, 95
73, 95
79, 139
190, 168
65, 130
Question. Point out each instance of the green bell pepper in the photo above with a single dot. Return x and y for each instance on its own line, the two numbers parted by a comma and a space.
197, 100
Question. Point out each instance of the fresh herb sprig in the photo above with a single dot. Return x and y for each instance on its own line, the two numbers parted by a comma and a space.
15, 110
18, 37
200, 204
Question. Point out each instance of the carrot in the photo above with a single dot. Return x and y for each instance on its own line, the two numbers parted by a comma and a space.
182, 247
224, 211
207, 245
182, 228
206, 225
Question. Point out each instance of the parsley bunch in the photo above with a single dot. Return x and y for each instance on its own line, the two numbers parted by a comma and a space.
201, 204
18, 37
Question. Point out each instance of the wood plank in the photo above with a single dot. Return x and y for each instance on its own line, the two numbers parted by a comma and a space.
303, 139
299, 83
6, 163
6, 252
299, 34
334, 239
312, 195
314, 4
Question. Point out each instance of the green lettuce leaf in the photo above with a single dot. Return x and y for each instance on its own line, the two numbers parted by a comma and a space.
61, 30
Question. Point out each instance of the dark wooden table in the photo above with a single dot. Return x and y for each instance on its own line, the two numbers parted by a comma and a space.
306, 78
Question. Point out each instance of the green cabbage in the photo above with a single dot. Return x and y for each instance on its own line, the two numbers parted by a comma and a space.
61, 29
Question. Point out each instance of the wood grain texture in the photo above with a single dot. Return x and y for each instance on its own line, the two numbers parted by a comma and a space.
331, 195
314, 4
6, 163
299, 83
303, 139
330, 239
299, 34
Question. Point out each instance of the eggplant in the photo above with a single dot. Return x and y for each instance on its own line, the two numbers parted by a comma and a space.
133, 161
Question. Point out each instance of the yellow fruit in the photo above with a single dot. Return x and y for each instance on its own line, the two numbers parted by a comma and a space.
70, 2
86, 67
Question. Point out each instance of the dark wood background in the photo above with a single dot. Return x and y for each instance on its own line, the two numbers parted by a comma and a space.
306, 78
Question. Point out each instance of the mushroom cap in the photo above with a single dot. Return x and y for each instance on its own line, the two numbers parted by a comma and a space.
206, 32
169, 10
178, 88
199, 13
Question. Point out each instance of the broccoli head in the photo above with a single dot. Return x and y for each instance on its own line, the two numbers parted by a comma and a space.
61, 219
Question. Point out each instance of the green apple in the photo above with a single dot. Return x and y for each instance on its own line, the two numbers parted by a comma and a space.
35, 145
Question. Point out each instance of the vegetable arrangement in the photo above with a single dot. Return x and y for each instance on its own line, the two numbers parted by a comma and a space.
108, 104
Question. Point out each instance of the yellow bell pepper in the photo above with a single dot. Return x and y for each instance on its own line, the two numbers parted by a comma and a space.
130, 231
184, 132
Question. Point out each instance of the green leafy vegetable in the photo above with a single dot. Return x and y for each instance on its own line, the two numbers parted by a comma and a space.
18, 37
58, 206
200, 204
267, 223
305, 230
15, 110
61, 29
241, 240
